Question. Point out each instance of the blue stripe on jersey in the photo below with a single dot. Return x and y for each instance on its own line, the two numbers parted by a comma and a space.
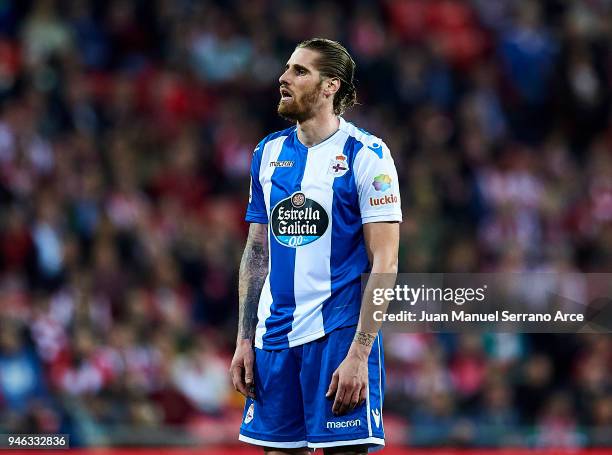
285, 181
348, 254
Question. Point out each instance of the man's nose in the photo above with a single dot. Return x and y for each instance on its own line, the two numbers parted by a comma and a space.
284, 78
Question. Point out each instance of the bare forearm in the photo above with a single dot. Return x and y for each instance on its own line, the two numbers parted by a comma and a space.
382, 242
252, 275
381, 277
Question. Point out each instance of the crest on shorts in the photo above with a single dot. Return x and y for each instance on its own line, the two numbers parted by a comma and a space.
250, 413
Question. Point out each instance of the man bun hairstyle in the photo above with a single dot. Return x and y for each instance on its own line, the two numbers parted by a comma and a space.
335, 61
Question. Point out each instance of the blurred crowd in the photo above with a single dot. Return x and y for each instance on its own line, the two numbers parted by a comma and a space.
126, 132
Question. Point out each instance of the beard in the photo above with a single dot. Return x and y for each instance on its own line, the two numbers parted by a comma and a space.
302, 108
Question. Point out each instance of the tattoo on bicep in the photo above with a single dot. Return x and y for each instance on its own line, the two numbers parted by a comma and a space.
364, 338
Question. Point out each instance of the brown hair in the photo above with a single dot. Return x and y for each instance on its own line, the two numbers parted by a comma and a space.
335, 61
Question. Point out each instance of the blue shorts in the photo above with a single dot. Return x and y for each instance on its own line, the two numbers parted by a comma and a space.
290, 409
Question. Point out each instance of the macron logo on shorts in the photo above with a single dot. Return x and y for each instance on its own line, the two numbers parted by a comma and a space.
345, 424
376, 416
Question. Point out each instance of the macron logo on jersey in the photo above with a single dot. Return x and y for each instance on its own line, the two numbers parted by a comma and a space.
345, 424
285, 163
377, 148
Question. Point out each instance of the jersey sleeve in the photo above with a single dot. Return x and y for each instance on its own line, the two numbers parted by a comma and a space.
256, 208
377, 185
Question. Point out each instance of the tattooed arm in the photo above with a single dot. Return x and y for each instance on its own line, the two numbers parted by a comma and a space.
251, 277
349, 382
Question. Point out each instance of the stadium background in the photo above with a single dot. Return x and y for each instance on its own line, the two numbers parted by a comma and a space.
126, 131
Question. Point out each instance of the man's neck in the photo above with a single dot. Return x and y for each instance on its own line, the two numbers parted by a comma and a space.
315, 130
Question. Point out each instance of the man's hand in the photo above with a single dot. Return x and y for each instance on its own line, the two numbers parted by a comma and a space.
241, 369
349, 384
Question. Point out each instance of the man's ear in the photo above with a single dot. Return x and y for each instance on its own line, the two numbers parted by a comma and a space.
331, 86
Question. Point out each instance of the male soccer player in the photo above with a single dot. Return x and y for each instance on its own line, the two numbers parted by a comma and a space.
324, 208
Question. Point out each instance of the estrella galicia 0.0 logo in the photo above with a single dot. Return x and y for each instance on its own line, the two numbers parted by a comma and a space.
298, 221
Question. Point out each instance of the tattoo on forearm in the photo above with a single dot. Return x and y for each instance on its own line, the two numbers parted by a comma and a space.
364, 338
252, 275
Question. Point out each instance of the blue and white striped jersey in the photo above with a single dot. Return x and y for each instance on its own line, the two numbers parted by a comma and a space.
315, 200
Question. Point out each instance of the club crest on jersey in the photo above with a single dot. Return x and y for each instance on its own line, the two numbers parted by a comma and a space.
297, 220
338, 166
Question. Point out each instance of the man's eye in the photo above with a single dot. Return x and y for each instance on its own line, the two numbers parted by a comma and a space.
300, 71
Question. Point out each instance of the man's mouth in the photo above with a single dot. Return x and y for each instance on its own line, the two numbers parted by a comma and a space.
285, 94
